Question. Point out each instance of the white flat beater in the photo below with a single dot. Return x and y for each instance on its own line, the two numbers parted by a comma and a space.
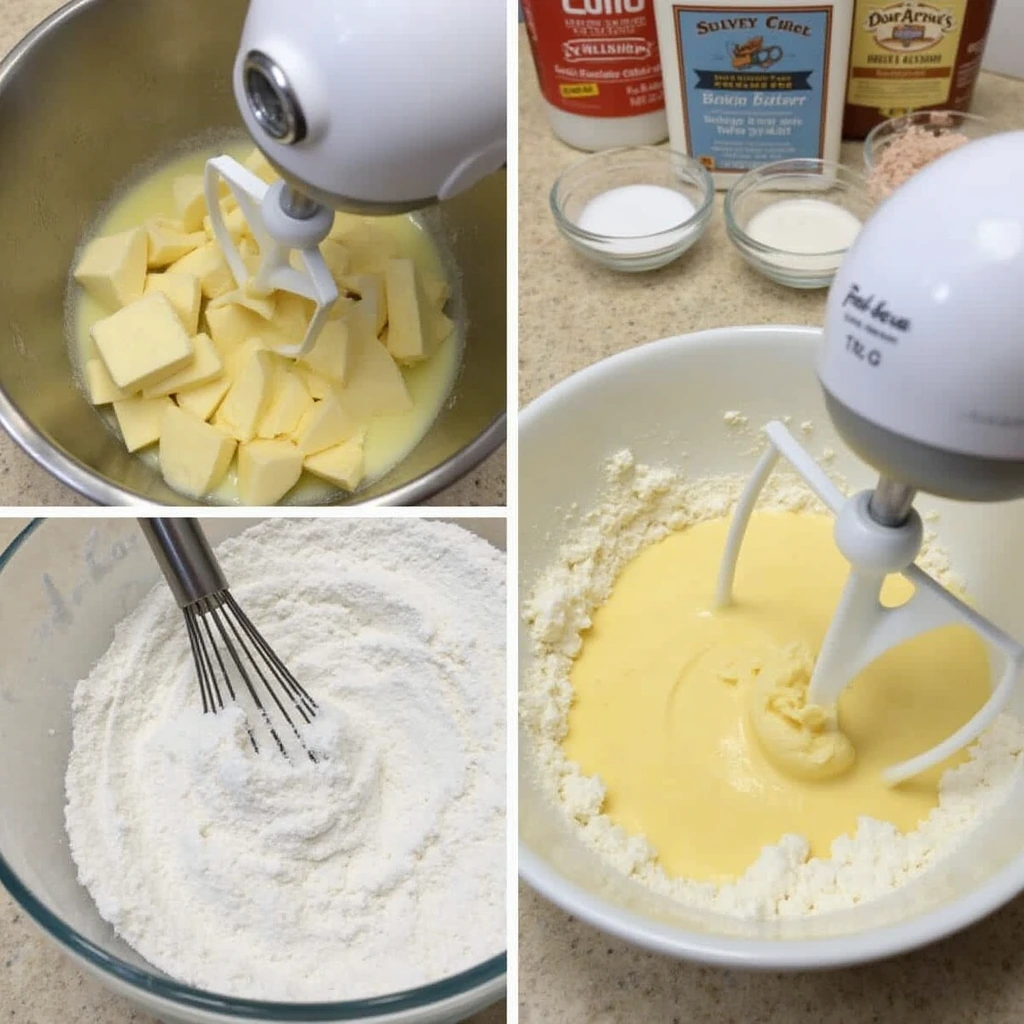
922, 367
364, 106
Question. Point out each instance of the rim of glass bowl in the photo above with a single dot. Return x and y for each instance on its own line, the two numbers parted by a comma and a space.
766, 172
232, 1006
660, 239
886, 131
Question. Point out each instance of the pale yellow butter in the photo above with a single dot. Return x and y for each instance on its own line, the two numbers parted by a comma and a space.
142, 342
329, 356
371, 292
374, 385
328, 423
248, 397
267, 471
99, 384
343, 464
204, 400
194, 456
112, 269
140, 420
190, 200
205, 366
185, 295
169, 241
407, 340
289, 402
208, 264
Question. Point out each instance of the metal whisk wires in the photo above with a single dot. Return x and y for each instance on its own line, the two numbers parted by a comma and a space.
234, 663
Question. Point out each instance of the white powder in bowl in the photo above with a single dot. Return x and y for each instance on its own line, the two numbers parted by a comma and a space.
378, 869
641, 505
632, 213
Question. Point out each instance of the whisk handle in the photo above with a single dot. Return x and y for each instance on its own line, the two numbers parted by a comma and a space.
185, 558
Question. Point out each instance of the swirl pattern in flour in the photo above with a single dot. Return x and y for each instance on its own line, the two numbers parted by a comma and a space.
379, 868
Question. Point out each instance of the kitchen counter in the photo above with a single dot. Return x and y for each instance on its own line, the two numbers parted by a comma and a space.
38, 985
572, 314
25, 482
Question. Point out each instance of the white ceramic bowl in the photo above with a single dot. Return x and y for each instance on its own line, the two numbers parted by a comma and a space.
665, 401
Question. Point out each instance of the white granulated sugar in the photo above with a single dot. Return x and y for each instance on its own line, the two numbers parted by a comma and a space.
640, 506
380, 868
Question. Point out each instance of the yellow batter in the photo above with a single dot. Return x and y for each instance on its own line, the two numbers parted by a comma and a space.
666, 687
389, 438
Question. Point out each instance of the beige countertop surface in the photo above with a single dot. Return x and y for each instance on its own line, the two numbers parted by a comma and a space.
38, 985
25, 482
572, 314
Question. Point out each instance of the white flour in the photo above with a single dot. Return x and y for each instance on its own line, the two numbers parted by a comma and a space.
641, 506
378, 869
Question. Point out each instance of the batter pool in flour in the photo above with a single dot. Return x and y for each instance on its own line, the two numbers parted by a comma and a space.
640, 699
378, 869
389, 438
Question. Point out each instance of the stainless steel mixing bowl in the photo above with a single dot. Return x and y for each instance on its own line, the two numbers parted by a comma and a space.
98, 89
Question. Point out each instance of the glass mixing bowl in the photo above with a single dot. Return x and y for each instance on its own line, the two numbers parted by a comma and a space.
64, 584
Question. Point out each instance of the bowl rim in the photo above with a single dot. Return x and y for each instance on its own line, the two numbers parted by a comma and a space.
663, 155
95, 487
477, 978
886, 130
719, 950
796, 167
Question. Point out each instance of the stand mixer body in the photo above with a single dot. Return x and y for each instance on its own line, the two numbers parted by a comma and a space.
366, 106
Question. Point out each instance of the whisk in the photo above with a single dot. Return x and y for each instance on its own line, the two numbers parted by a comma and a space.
234, 663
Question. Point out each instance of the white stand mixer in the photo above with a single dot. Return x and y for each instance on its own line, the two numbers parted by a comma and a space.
370, 107
923, 373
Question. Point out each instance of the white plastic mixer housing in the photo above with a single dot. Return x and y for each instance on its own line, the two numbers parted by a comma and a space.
923, 372
372, 106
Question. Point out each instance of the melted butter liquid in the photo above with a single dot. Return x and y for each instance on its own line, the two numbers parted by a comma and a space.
655, 718
389, 438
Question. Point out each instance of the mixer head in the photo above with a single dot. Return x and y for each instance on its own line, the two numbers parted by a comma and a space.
923, 373
923, 361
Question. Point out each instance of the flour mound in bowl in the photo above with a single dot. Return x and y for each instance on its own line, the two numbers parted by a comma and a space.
379, 868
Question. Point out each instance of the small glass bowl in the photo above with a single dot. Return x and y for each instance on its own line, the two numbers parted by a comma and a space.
633, 165
939, 122
793, 179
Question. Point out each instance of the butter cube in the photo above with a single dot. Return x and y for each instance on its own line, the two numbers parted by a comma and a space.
232, 325
438, 327
292, 316
140, 420
289, 403
328, 423
369, 247
234, 221
267, 471
206, 365
248, 397
262, 305
208, 264
190, 200
168, 241
185, 295
370, 288
375, 385
316, 385
112, 269
204, 400
193, 455
436, 289
329, 356
336, 257
99, 385
343, 464
142, 342
406, 337
260, 166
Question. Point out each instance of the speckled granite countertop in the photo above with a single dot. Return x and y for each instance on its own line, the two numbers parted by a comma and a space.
572, 314
24, 482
